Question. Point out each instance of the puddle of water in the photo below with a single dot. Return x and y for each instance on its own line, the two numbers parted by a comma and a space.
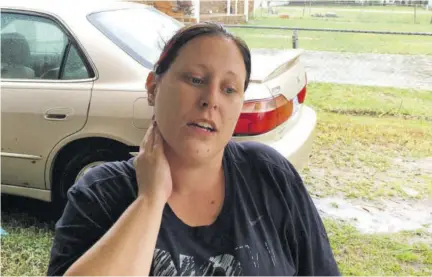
423, 165
386, 217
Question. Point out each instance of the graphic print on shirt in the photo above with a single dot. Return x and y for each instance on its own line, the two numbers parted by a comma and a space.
221, 265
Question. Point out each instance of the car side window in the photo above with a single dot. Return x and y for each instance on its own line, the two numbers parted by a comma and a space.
34, 47
74, 66
30, 46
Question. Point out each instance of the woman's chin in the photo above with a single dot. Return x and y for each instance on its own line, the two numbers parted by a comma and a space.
198, 150
195, 150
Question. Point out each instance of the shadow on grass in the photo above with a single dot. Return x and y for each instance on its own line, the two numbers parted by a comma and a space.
27, 212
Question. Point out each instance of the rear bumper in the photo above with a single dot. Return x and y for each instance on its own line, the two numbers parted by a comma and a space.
296, 144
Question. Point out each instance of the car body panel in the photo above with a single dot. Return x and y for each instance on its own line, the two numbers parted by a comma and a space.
26, 122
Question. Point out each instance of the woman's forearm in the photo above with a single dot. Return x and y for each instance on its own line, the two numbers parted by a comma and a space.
128, 247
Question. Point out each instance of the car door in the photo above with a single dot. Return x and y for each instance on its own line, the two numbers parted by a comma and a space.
46, 85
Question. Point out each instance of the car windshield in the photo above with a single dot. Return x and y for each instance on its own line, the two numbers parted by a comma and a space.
140, 32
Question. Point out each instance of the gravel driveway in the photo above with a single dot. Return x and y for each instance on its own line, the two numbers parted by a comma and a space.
402, 71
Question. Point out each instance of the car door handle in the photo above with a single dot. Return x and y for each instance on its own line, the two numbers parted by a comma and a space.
55, 116
58, 113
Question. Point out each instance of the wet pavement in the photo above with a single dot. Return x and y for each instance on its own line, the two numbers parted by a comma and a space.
401, 71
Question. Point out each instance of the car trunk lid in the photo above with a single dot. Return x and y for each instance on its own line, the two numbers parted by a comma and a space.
281, 80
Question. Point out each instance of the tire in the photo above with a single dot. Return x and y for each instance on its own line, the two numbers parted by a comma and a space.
65, 176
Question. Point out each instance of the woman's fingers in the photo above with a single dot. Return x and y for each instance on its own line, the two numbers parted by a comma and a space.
158, 141
146, 138
148, 146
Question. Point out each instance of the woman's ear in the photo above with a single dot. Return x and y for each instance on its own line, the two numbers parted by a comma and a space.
151, 88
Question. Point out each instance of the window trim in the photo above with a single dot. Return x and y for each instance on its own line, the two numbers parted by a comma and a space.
64, 59
91, 69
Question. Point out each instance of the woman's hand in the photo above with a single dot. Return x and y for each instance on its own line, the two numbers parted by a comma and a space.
152, 168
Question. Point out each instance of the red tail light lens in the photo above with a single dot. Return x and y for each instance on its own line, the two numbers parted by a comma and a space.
261, 116
302, 95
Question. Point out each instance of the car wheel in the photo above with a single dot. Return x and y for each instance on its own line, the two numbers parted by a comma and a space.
76, 166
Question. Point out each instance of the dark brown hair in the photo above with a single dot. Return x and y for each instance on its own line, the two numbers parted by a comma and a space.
188, 33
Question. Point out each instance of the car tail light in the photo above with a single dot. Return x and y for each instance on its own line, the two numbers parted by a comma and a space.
302, 95
261, 116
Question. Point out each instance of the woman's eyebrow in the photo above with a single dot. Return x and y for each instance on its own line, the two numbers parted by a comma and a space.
203, 66
230, 72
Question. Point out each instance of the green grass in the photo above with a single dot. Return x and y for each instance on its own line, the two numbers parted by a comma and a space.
378, 123
374, 101
387, 19
379, 254
343, 42
361, 133
25, 250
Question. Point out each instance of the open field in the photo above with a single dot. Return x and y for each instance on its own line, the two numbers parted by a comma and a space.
373, 147
343, 42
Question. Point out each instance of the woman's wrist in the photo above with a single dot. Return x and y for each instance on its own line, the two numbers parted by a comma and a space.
151, 203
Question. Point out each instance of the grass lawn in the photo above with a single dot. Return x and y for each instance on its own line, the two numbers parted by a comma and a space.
25, 250
371, 143
343, 42
373, 255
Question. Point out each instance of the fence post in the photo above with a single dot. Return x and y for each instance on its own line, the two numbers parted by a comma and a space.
295, 39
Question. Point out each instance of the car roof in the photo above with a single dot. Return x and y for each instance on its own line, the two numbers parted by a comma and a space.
66, 7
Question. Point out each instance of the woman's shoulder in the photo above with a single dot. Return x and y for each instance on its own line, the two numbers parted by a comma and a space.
265, 167
257, 153
108, 180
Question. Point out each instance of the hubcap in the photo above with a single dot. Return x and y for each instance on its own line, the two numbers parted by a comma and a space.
85, 169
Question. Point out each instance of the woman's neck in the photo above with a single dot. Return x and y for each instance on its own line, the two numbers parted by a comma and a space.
192, 177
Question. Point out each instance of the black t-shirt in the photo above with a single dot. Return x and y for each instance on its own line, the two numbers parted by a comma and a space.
268, 224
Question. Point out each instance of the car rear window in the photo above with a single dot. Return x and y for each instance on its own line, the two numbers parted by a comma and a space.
140, 32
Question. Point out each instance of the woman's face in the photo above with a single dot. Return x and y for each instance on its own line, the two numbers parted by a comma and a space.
199, 99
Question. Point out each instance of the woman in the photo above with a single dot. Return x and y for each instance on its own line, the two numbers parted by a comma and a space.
194, 202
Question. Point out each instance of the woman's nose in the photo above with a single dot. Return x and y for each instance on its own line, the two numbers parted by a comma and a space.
210, 97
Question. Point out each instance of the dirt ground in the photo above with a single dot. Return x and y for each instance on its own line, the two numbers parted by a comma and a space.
388, 212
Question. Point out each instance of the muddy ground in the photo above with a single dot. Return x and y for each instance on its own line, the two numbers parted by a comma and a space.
409, 209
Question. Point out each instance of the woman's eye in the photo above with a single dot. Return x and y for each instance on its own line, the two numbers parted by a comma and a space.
196, 81
230, 90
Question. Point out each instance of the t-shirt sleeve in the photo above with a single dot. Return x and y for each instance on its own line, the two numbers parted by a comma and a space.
306, 233
83, 222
